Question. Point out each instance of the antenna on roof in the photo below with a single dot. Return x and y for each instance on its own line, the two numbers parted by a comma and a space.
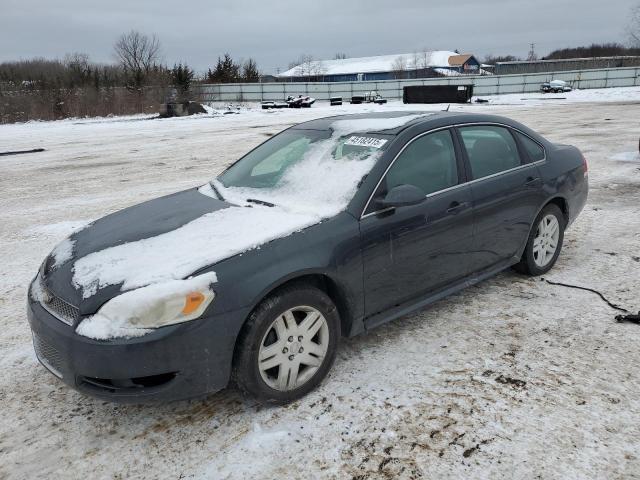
447, 109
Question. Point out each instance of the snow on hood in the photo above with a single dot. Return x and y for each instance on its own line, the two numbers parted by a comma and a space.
178, 253
63, 252
221, 234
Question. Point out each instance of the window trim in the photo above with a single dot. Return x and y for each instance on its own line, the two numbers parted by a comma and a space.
460, 175
523, 158
453, 130
524, 149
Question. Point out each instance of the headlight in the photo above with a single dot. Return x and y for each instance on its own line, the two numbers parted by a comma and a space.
135, 312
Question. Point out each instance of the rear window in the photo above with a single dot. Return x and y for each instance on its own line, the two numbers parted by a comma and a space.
533, 148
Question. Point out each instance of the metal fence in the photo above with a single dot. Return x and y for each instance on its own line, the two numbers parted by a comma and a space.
392, 89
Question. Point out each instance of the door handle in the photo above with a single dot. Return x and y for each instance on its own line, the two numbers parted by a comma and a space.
533, 182
456, 207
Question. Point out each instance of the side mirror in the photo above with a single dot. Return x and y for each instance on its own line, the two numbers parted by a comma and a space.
402, 196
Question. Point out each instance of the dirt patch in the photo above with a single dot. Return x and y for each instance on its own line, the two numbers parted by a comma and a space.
513, 382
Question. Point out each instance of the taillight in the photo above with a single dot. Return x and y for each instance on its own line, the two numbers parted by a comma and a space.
585, 165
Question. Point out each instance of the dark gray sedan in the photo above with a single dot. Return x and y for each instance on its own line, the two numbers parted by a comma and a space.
328, 229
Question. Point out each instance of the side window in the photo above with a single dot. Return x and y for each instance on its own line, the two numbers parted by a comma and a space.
533, 148
428, 163
490, 149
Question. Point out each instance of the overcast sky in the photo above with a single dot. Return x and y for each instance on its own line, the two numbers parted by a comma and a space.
277, 32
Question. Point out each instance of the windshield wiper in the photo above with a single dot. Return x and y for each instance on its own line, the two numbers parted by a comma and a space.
215, 190
260, 202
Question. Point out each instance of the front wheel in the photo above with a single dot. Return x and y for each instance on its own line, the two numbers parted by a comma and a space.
544, 243
288, 344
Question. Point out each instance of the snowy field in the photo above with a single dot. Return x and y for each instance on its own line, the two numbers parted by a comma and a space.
512, 378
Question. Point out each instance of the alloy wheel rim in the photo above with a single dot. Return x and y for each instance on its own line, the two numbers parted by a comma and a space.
545, 243
293, 348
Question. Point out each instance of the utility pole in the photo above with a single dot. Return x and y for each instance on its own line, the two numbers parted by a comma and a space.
532, 53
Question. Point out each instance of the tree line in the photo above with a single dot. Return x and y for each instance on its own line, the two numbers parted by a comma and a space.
138, 65
587, 51
138, 82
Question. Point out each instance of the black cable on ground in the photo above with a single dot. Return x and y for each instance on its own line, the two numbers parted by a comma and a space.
19, 152
631, 318
612, 305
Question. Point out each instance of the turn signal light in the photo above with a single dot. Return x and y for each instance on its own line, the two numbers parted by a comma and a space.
192, 301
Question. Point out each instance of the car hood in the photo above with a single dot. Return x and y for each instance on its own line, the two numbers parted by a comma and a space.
143, 221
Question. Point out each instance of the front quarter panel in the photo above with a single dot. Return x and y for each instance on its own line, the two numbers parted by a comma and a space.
330, 248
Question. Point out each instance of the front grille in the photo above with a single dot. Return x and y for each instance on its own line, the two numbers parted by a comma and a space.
57, 307
48, 356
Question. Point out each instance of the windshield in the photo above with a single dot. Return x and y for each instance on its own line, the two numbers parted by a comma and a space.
303, 169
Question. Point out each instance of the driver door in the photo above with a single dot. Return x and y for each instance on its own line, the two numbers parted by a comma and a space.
413, 250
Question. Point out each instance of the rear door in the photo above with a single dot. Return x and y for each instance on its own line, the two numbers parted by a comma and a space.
506, 189
412, 250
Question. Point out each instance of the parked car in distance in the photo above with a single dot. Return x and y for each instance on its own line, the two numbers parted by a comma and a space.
374, 97
328, 229
300, 101
555, 86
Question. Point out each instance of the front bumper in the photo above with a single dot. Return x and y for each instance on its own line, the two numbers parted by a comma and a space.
171, 363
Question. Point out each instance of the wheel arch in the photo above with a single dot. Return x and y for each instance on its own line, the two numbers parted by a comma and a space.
557, 200
562, 204
319, 280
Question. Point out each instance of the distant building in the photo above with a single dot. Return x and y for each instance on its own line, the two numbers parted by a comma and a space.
466, 63
268, 78
384, 67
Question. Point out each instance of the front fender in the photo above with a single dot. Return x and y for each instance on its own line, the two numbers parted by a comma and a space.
330, 249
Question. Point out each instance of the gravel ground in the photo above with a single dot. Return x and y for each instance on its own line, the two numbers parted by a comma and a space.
512, 378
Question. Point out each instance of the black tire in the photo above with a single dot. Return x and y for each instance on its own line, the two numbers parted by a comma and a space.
527, 264
246, 371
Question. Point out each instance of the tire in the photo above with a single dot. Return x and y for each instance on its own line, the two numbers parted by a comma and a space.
537, 258
267, 359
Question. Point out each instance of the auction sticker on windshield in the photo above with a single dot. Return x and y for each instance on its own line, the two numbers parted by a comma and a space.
366, 142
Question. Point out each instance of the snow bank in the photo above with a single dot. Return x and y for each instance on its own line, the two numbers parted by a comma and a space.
301, 201
120, 316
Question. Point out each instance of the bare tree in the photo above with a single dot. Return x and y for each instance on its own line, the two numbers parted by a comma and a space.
77, 61
78, 67
415, 61
318, 69
138, 54
305, 65
633, 28
340, 56
424, 59
399, 67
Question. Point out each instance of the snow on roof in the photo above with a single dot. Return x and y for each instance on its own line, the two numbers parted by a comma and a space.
380, 63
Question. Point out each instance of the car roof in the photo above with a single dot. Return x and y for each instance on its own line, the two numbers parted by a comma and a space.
435, 119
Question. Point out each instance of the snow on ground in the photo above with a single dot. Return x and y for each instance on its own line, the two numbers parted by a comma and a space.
512, 378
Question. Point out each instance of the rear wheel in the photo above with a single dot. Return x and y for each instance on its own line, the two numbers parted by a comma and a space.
544, 243
288, 344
